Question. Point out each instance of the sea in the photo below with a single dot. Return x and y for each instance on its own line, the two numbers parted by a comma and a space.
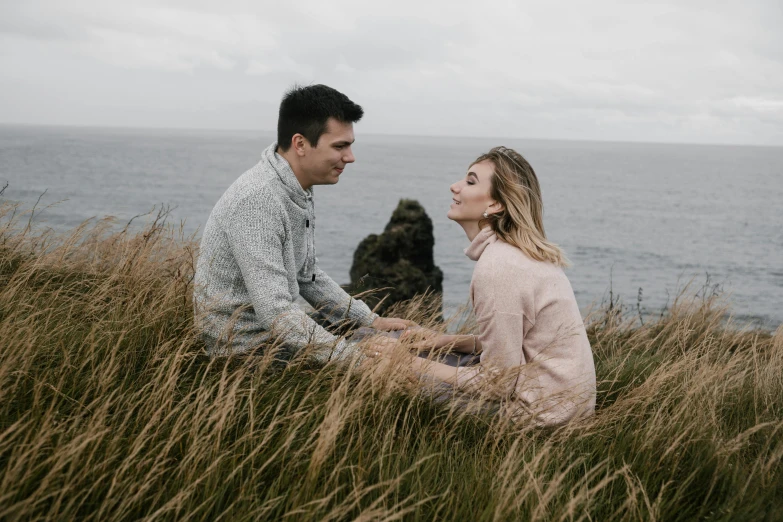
640, 222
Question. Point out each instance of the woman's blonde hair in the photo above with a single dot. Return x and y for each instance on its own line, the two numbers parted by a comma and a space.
521, 221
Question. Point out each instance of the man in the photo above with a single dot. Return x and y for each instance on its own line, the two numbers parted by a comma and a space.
258, 248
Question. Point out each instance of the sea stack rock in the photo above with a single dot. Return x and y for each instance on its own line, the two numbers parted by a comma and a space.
399, 261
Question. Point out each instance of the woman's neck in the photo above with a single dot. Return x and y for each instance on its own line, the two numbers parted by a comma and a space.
471, 229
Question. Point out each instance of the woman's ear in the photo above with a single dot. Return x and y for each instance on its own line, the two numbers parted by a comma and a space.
495, 207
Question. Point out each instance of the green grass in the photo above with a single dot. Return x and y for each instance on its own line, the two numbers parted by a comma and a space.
110, 410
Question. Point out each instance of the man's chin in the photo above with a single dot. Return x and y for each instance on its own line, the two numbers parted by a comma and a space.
329, 180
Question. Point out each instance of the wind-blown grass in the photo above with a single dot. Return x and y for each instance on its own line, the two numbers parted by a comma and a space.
110, 410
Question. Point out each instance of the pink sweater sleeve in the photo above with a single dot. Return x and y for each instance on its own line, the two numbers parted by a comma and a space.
501, 337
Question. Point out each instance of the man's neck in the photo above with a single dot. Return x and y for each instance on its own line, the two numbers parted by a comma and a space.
293, 162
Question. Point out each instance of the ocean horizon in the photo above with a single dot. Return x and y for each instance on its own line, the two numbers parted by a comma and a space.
360, 133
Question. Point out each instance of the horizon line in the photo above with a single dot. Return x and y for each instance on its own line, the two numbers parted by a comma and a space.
413, 135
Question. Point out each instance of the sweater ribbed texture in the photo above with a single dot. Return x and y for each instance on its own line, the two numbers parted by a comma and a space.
257, 255
534, 344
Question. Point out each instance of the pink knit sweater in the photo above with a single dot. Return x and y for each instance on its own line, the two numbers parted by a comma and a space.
535, 350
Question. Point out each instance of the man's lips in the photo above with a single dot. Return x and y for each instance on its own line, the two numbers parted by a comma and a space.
339, 170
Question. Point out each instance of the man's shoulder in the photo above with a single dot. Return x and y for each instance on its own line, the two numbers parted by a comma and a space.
255, 187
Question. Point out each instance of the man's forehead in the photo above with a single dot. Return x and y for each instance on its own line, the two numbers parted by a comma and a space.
339, 131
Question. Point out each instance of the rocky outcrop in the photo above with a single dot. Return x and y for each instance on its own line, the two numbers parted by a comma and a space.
399, 263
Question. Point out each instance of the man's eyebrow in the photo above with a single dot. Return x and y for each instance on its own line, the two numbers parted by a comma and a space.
344, 142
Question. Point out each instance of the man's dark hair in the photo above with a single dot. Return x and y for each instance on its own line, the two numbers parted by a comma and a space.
305, 110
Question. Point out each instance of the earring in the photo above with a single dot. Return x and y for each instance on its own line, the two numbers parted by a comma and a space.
485, 214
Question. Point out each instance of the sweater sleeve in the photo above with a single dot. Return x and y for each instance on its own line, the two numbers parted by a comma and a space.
502, 336
326, 296
256, 237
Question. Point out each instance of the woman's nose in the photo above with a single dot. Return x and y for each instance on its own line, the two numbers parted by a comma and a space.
453, 188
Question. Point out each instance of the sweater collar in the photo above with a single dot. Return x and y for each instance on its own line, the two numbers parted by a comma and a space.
484, 238
283, 170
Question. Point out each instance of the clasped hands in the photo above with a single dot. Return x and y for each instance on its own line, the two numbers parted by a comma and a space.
414, 338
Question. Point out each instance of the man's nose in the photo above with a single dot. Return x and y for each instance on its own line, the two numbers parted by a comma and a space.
349, 157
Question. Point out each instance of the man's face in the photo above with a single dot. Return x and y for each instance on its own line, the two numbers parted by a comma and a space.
323, 164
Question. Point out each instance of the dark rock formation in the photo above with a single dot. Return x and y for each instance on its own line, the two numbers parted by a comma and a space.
399, 262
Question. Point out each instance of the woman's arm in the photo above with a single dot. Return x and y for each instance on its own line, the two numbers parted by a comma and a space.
460, 343
384, 350
440, 371
429, 339
505, 356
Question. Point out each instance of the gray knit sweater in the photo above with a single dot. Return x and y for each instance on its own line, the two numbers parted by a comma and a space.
257, 254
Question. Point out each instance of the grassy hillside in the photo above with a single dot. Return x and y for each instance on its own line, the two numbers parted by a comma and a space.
110, 410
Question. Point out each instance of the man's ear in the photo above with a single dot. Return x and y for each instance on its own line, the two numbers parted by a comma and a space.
298, 142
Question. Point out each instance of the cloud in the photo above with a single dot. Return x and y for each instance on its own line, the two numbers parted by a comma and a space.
633, 70
343, 67
761, 105
278, 64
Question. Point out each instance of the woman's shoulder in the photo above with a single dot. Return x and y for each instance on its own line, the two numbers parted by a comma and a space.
507, 258
513, 282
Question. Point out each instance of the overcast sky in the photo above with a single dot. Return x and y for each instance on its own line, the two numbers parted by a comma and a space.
685, 71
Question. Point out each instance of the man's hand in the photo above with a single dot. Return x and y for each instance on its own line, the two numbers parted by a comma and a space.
386, 357
388, 370
380, 346
391, 323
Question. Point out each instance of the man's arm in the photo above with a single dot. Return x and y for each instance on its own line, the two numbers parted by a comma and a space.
326, 296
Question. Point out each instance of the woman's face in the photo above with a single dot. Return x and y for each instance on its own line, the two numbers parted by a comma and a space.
471, 194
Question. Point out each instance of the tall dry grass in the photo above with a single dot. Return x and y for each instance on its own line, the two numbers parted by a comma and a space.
110, 410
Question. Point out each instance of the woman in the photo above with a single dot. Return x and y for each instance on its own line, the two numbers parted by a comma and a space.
534, 352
